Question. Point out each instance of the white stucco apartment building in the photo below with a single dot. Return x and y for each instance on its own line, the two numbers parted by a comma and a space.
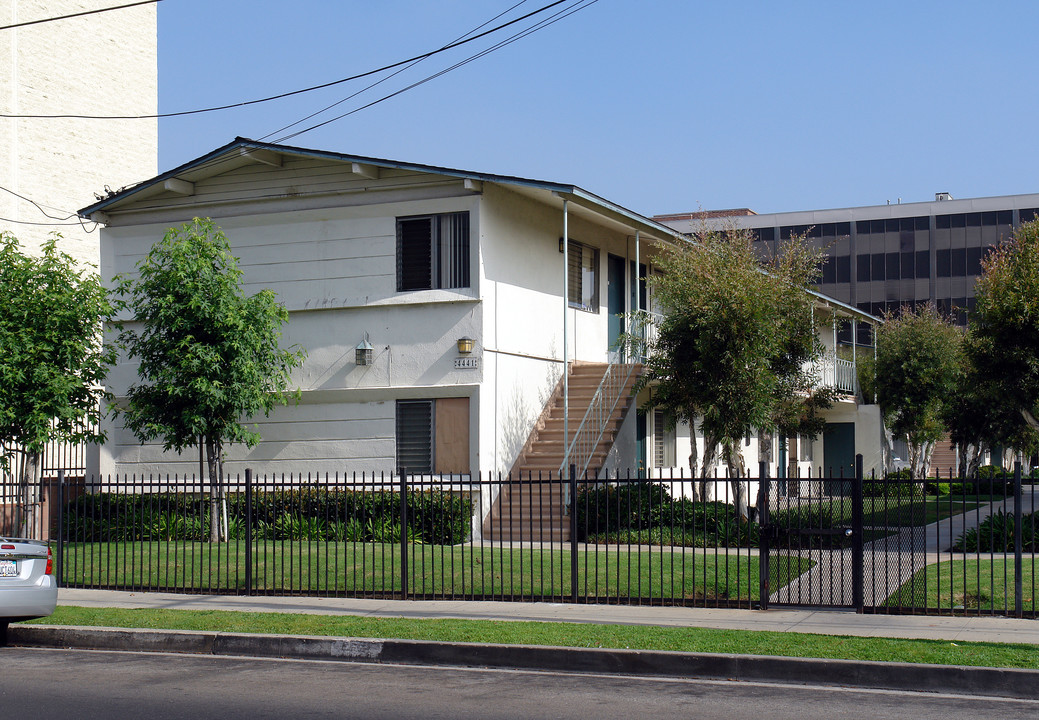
97, 64
413, 261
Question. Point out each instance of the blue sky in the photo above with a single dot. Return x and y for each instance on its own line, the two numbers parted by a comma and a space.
660, 106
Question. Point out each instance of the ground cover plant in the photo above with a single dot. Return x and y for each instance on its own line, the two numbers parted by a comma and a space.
996, 534
635, 637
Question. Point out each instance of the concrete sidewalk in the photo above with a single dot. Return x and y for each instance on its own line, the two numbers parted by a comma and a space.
1001, 682
822, 621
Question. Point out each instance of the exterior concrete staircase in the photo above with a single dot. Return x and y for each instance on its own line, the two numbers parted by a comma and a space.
532, 506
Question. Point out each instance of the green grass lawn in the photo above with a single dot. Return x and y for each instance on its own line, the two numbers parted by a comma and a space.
894, 511
967, 584
280, 567
686, 639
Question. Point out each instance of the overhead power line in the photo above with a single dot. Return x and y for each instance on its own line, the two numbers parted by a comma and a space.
79, 14
39, 207
565, 12
575, 6
368, 87
293, 92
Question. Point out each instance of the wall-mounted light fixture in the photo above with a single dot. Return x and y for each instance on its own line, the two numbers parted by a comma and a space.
465, 345
364, 351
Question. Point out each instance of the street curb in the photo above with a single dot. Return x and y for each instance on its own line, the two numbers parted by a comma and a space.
959, 679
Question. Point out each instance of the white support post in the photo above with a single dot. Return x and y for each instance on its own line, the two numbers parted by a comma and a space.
638, 296
566, 335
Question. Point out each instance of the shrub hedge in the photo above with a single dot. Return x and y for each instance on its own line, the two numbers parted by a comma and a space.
996, 534
309, 513
644, 512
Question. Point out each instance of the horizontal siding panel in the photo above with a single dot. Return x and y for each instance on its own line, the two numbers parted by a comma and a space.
312, 271
365, 453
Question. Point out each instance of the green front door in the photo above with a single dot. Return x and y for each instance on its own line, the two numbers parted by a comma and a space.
838, 457
615, 299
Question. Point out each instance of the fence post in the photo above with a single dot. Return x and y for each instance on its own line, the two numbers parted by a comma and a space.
404, 533
763, 536
248, 531
858, 565
58, 564
1018, 579
573, 533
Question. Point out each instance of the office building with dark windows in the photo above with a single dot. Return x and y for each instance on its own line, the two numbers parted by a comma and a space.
882, 257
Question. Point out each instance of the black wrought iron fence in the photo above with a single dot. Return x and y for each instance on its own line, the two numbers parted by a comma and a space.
873, 544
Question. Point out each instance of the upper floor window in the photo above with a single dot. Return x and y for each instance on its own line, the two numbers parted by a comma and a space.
583, 276
433, 251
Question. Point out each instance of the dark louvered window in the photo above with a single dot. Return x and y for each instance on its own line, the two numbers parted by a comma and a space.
433, 252
415, 435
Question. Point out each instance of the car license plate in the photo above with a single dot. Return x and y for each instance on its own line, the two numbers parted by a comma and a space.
8, 568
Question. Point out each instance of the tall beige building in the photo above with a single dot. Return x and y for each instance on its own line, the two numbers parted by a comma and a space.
98, 64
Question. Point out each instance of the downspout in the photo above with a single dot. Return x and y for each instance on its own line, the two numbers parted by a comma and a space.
638, 296
874, 363
854, 355
638, 275
566, 336
834, 350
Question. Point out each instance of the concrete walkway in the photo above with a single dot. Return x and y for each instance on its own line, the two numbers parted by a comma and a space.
826, 622
889, 562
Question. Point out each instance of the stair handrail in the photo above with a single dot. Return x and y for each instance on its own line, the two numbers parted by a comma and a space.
600, 411
636, 345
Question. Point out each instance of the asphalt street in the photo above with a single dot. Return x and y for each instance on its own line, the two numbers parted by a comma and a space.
52, 683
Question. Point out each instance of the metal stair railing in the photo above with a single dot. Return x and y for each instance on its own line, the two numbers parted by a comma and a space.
589, 433
599, 414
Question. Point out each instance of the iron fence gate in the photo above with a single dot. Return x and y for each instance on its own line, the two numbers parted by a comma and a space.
896, 544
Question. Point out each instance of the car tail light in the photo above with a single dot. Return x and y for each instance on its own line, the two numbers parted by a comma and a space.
50, 563
6, 547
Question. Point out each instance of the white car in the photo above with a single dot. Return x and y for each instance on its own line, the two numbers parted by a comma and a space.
28, 588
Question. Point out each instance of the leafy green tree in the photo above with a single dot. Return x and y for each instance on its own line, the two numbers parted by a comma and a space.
735, 347
209, 355
1005, 327
978, 414
919, 360
52, 358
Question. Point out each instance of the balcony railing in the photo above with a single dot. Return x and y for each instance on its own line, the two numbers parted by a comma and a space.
837, 373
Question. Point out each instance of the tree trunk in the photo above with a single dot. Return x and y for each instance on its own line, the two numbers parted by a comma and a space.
733, 458
970, 458
920, 459
710, 461
29, 493
215, 488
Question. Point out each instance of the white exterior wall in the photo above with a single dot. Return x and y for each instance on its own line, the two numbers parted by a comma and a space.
334, 268
102, 64
522, 282
335, 271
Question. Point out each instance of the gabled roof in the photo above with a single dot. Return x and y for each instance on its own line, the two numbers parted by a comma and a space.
242, 151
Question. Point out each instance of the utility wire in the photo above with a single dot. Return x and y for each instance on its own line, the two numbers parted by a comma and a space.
561, 14
566, 12
38, 207
391, 75
293, 92
79, 14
